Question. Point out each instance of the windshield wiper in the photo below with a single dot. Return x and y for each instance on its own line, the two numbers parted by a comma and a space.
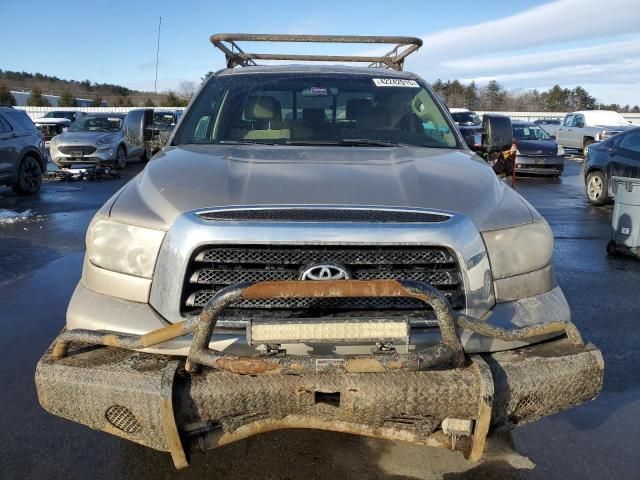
347, 142
243, 142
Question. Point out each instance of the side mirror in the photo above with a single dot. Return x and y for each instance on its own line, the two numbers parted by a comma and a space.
136, 126
497, 133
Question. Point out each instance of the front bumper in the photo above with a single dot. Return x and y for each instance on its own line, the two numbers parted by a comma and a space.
539, 165
105, 154
438, 397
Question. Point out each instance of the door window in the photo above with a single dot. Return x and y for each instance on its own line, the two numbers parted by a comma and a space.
4, 126
21, 119
630, 141
578, 121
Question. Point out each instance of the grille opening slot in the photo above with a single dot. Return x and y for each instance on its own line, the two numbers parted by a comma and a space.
328, 398
122, 418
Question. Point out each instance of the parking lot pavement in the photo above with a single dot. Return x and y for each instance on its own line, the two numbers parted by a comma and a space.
40, 265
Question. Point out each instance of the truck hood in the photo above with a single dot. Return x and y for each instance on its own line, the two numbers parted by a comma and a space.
537, 147
52, 121
84, 138
617, 127
185, 178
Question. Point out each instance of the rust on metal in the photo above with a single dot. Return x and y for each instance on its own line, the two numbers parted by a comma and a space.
174, 444
364, 365
220, 438
449, 349
394, 59
247, 365
489, 330
485, 406
131, 342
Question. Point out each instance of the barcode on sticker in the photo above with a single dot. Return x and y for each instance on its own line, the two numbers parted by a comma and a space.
395, 82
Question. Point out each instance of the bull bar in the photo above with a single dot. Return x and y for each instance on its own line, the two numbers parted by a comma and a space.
438, 396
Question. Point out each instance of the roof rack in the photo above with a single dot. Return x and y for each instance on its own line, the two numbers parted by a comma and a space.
393, 59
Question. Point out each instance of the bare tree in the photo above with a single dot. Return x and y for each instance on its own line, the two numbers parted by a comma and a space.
187, 89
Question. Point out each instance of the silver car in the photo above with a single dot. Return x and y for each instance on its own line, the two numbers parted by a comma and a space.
318, 248
97, 139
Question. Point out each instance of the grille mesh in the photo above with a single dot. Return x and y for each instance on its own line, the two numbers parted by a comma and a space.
345, 255
122, 418
77, 150
214, 268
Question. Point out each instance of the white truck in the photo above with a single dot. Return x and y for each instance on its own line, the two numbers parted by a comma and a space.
580, 129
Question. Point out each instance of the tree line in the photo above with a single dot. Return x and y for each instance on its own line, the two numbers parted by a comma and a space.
68, 90
490, 97
494, 97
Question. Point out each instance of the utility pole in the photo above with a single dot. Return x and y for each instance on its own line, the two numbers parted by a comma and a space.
155, 84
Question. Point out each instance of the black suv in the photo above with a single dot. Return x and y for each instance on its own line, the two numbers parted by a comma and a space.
23, 157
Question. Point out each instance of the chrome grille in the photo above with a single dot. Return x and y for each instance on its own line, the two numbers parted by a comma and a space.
213, 268
77, 150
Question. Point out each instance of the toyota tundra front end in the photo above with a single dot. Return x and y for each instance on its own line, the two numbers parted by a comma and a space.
317, 248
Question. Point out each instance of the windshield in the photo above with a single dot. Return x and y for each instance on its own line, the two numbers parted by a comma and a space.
165, 118
68, 115
314, 109
529, 132
96, 123
466, 118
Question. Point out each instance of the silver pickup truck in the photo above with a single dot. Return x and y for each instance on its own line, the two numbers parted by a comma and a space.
580, 129
317, 247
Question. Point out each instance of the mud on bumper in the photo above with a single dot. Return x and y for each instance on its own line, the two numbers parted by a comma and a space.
170, 405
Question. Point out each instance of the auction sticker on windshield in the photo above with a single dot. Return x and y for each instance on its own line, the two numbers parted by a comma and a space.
395, 82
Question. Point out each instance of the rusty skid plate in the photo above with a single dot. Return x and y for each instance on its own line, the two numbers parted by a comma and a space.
152, 400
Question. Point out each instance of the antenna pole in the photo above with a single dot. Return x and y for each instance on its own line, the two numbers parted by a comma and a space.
155, 84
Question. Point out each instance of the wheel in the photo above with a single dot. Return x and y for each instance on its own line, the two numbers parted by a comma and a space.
597, 191
611, 248
586, 143
29, 177
121, 158
147, 154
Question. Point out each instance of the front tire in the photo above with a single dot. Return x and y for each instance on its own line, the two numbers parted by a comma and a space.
121, 158
585, 144
597, 189
29, 177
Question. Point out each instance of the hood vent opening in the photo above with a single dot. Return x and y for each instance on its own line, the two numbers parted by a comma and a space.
338, 215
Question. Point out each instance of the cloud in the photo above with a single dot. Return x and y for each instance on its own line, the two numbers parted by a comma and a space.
560, 21
548, 59
536, 48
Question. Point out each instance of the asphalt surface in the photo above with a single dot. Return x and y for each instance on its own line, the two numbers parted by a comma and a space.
40, 264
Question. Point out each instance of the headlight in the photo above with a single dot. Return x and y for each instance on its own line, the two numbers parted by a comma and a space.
123, 248
106, 140
518, 250
560, 151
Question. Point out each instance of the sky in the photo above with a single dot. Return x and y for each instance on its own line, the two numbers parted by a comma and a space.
521, 43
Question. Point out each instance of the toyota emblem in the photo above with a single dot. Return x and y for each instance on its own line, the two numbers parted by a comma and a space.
324, 272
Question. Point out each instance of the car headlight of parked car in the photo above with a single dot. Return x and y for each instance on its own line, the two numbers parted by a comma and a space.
106, 140
604, 134
123, 248
520, 260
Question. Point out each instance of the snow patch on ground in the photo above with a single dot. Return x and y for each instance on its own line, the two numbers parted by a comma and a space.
11, 216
